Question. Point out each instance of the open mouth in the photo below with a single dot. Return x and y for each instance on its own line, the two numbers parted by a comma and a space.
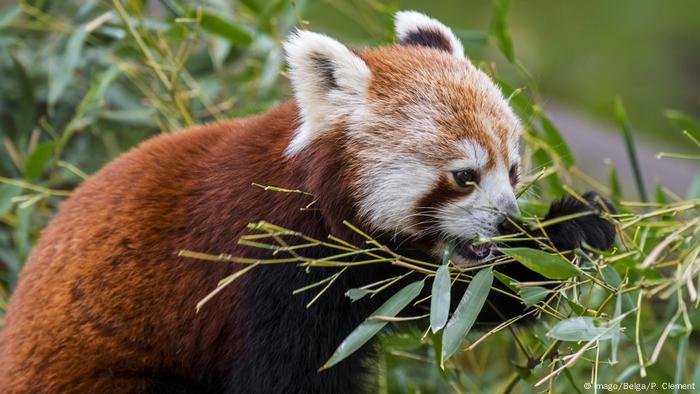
474, 251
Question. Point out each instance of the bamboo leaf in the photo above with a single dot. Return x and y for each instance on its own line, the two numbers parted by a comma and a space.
623, 122
500, 30
465, 315
26, 116
551, 266
369, 328
683, 121
556, 141
38, 159
582, 328
681, 358
533, 295
252, 5
440, 300
64, 74
221, 27
7, 193
8, 14
356, 294
615, 187
615, 343
696, 372
506, 280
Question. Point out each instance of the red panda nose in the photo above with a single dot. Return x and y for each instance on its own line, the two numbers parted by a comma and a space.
505, 227
508, 206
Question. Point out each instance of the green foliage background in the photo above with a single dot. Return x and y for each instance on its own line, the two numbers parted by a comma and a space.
83, 81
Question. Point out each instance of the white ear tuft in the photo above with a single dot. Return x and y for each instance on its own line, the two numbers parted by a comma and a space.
326, 76
414, 28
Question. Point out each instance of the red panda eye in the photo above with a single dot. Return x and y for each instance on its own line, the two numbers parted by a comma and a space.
514, 175
466, 178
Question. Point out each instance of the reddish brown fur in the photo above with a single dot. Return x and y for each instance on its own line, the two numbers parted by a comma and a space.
104, 296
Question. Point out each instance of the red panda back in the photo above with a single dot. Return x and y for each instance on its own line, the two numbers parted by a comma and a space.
104, 292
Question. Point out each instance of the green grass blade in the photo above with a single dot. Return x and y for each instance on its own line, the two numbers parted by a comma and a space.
499, 29
623, 122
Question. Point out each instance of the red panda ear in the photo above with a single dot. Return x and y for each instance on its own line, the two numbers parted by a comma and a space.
414, 28
326, 77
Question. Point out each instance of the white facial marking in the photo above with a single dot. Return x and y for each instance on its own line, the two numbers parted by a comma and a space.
391, 188
476, 156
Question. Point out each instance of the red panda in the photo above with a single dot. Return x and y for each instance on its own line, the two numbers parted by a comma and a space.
410, 141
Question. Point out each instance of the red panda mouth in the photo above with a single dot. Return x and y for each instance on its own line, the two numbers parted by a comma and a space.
474, 252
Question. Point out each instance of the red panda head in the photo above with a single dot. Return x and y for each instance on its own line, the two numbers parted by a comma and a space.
432, 144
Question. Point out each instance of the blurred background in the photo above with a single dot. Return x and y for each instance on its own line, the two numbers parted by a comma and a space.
83, 81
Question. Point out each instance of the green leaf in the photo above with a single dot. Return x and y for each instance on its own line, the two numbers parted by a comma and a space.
543, 159
38, 159
681, 358
555, 140
465, 315
551, 266
696, 372
575, 307
7, 193
615, 343
369, 328
533, 295
64, 74
660, 195
273, 7
26, 115
622, 121
221, 27
615, 187
440, 300
252, 5
506, 280
500, 30
613, 279
449, 251
436, 340
92, 99
8, 14
356, 294
582, 328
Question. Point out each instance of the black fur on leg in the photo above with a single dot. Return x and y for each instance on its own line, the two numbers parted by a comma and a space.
593, 230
